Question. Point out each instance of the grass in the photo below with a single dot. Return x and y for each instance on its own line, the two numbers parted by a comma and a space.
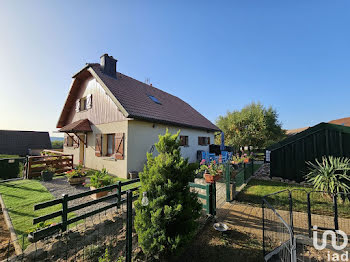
321, 203
20, 198
9, 156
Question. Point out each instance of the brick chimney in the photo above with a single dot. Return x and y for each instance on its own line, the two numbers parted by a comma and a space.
109, 65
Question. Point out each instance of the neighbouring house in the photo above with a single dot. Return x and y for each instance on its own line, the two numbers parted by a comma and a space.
111, 120
341, 121
23, 143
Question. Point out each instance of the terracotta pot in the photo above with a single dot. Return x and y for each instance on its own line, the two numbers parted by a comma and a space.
246, 160
99, 194
76, 180
211, 179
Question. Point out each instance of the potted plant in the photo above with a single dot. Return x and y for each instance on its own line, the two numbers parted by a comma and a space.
212, 172
97, 180
47, 173
76, 176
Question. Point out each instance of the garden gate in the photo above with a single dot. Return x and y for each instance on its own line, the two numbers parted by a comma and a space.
289, 218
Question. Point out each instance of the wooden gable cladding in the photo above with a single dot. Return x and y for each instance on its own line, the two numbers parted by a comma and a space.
98, 145
119, 146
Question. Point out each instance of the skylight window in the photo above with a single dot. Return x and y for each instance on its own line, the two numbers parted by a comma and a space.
155, 100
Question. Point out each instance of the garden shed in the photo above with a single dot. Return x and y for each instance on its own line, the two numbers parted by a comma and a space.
289, 156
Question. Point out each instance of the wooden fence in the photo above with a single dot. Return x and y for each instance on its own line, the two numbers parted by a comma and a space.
36, 164
209, 197
66, 208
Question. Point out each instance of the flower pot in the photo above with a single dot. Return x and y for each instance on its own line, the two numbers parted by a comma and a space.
246, 160
76, 180
99, 194
211, 179
46, 175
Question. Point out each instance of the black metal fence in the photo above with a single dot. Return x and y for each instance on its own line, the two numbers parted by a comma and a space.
301, 211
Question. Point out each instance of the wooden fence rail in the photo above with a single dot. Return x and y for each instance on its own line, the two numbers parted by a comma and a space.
64, 201
209, 197
36, 164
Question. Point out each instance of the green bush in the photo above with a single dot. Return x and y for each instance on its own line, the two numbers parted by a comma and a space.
168, 222
11, 170
100, 179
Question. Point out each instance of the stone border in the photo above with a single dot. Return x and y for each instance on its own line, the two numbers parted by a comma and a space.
8, 222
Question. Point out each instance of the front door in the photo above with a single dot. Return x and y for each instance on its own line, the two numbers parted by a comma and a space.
82, 150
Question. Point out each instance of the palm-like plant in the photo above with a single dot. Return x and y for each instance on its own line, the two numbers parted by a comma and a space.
330, 175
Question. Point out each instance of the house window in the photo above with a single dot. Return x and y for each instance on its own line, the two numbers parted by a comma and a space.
183, 140
110, 144
83, 104
203, 141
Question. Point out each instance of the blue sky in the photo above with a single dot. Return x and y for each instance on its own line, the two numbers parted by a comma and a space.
215, 55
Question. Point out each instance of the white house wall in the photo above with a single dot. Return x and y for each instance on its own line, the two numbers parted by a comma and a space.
142, 135
114, 167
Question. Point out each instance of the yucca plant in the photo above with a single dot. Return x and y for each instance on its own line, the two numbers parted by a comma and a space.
330, 175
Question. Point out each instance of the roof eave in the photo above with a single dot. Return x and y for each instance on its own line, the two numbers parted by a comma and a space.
160, 121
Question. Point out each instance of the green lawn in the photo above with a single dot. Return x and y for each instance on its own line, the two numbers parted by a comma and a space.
20, 198
320, 203
8, 156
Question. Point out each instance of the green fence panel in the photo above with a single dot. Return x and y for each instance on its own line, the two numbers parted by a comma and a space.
239, 179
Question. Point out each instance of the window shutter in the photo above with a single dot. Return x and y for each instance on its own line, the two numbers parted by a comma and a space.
76, 142
77, 105
119, 146
89, 101
98, 145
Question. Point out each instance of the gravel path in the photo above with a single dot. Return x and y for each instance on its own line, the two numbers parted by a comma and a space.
59, 186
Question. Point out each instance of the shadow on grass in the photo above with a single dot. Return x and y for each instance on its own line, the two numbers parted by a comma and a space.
233, 245
24, 188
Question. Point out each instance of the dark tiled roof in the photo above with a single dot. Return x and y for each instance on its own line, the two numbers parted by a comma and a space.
133, 95
78, 126
18, 142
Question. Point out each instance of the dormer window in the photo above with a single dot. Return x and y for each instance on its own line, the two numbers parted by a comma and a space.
154, 99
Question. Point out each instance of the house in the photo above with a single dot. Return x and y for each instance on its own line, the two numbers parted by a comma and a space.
23, 142
111, 120
341, 121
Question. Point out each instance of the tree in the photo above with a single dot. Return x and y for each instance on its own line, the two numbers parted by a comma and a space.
169, 220
57, 144
254, 125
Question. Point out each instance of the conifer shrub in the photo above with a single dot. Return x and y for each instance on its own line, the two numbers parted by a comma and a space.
168, 222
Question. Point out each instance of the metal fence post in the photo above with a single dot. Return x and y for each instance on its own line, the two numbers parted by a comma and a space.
64, 211
119, 190
309, 213
228, 182
291, 211
335, 205
263, 226
128, 248
207, 195
213, 191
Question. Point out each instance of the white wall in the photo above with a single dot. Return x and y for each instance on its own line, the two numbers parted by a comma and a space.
114, 167
142, 136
